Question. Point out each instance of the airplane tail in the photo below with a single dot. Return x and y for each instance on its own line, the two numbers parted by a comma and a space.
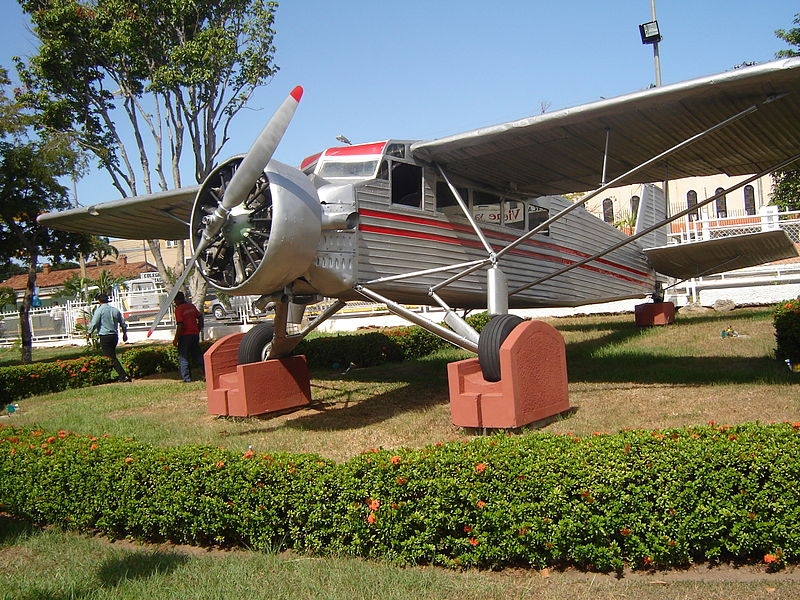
652, 209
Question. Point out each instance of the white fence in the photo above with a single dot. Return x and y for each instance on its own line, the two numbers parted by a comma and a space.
48, 327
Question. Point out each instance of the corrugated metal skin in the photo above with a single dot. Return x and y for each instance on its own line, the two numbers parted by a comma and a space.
394, 239
562, 151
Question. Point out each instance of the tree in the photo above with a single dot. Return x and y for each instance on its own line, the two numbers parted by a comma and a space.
30, 168
176, 71
8, 297
790, 36
103, 249
786, 184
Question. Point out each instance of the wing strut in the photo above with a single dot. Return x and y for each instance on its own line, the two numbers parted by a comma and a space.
661, 223
467, 213
616, 181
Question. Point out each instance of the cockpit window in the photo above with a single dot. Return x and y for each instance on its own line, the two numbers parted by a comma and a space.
331, 169
396, 150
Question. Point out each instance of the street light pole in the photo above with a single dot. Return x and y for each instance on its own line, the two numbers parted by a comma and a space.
656, 55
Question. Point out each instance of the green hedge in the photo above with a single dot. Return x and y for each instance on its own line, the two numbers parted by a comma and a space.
786, 319
361, 349
38, 378
644, 499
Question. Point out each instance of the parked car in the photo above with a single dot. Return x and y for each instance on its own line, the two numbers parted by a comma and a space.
231, 307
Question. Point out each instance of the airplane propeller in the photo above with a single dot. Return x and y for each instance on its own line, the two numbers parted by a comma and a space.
238, 188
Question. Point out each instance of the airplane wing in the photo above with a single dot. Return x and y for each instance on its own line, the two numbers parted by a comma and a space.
697, 259
164, 216
563, 151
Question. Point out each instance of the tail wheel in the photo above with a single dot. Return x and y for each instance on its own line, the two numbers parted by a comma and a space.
255, 344
492, 337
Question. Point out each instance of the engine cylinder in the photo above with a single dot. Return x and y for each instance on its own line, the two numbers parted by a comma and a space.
268, 240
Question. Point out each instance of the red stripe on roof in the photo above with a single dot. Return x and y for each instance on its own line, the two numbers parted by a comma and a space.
372, 148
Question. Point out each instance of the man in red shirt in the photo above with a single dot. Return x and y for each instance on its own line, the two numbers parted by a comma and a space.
189, 322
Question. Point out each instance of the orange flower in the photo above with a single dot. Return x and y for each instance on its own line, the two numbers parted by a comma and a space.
473, 542
467, 529
373, 504
480, 504
371, 518
220, 464
625, 531
93, 447
480, 467
128, 460
248, 454
770, 558
395, 460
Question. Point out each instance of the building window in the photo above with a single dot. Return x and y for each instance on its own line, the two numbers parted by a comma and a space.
172, 243
721, 204
749, 200
691, 203
608, 210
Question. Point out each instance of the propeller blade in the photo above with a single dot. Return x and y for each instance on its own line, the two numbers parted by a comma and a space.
243, 180
260, 153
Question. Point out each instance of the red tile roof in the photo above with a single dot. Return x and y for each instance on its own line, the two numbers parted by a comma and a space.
48, 278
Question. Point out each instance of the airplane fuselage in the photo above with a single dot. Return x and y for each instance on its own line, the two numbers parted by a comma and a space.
410, 224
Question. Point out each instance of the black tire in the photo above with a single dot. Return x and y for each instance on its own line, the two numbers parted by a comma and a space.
219, 312
254, 344
492, 337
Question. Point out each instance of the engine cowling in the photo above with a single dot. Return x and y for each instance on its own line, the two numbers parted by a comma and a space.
267, 241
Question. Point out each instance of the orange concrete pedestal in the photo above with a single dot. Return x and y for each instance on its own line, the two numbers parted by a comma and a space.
533, 384
654, 313
254, 389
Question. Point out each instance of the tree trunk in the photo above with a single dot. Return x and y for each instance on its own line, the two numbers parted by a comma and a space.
25, 333
155, 249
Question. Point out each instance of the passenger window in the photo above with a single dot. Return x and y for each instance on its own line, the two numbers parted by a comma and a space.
445, 198
406, 182
486, 208
514, 214
536, 216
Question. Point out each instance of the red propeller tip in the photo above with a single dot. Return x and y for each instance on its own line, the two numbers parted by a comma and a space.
149, 332
297, 93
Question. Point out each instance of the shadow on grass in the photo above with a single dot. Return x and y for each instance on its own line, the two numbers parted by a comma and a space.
423, 383
138, 565
13, 530
113, 572
349, 405
584, 365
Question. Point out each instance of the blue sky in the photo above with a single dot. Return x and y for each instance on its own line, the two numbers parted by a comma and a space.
423, 69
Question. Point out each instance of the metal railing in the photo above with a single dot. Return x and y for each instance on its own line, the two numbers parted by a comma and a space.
769, 219
66, 326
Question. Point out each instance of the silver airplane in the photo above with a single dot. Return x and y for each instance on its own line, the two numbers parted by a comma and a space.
475, 220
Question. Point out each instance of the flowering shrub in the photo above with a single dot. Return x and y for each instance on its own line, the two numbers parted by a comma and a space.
786, 319
646, 499
45, 378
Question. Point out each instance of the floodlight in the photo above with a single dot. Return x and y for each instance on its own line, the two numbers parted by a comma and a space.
649, 32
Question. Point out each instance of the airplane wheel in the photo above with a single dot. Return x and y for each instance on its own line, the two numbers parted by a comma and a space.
255, 343
492, 337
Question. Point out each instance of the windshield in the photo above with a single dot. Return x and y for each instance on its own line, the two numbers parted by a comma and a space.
362, 169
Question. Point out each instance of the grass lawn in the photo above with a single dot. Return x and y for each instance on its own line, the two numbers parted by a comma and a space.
620, 377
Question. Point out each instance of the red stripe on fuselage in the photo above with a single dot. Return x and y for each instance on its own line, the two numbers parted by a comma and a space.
520, 251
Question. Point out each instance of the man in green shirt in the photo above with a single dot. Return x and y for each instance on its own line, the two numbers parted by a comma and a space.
105, 320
